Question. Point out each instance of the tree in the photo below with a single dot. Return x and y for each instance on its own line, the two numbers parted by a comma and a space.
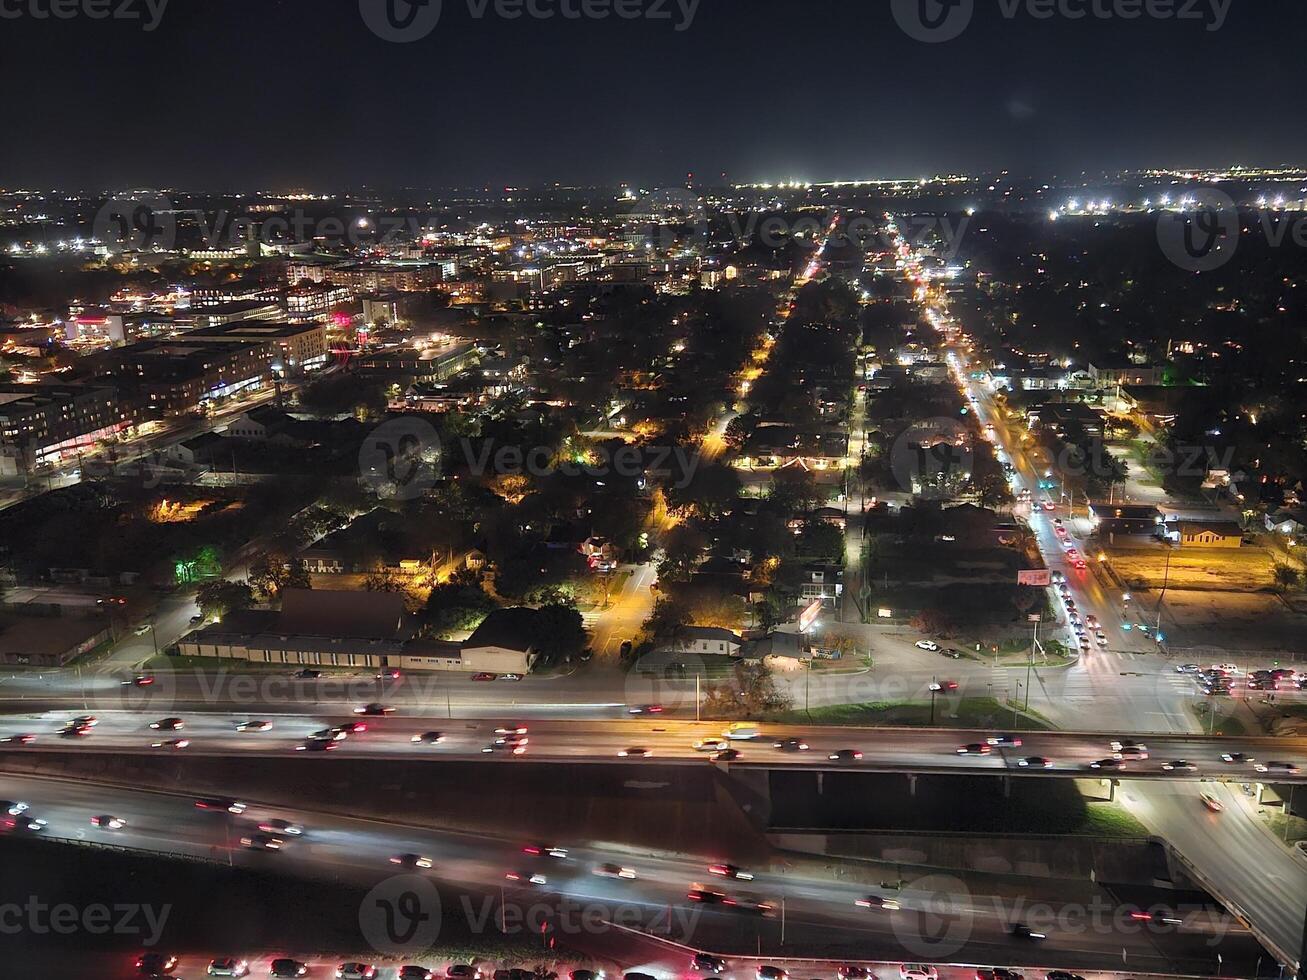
1286, 577
737, 432
272, 574
711, 489
822, 540
219, 597
936, 622
795, 491
562, 633
459, 604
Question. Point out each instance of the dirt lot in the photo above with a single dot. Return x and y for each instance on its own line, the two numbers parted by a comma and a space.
1233, 621
1245, 570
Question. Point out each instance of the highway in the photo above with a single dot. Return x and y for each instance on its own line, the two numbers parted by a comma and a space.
815, 907
672, 741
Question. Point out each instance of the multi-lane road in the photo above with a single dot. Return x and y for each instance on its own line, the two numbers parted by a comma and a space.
663, 740
816, 908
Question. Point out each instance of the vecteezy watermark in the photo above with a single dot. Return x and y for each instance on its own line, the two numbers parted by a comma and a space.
935, 21
400, 459
1203, 233
97, 919
403, 458
664, 218
136, 221
933, 458
937, 919
775, 230
406, 21
149, 12
401, 916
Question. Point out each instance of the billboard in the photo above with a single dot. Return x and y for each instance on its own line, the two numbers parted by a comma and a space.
809, 616
1035, 576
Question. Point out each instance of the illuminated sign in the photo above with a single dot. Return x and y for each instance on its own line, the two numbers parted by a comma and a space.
809, 616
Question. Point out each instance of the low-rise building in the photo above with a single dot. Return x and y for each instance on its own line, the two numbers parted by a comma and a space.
1208, 534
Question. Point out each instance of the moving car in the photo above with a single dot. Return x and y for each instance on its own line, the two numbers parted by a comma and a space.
711, 744
262, 842
917, 971
698, 893
546, 850
998, 973
307, 673
151, 964
1237, 758
411, 860
412, 971
315, 744
1034, 762
730, 871
220, 803
878, 902
228, 966
107, 821
849, 971
280, 826
526, 877
1179, 765
1110, 763
974, 748
614, 871
845, 755
1186, 668
791, 745
285, 967
726, 755
1286, 768
22, 738
645, 709
356, 971
428, 738
1004, 741
945, 685
930, 645
1212, 803
375, 709
484, 675
171, 743
634, 752
168, 725
1130, 749
766, 972
707, 963
1025, 932
13, 807
254, 726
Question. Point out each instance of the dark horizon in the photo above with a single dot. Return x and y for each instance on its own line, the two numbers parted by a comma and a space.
262, 94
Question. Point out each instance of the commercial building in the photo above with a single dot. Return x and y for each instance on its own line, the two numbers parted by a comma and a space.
371, 277
367, 630
314, 301
174, 377
301, 347
218, 314
43, 423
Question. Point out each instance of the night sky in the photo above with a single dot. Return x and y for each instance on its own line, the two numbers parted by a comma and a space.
243, 94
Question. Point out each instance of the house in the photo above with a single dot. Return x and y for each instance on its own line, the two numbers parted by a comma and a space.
1282, 520
820, 581
1209, 534
375, 541
505, 641
707, 641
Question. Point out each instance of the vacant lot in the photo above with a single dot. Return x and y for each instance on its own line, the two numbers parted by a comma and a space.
1245, 570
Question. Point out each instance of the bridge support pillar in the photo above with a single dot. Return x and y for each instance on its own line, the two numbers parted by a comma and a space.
821, 783
1007, 787
912, 784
